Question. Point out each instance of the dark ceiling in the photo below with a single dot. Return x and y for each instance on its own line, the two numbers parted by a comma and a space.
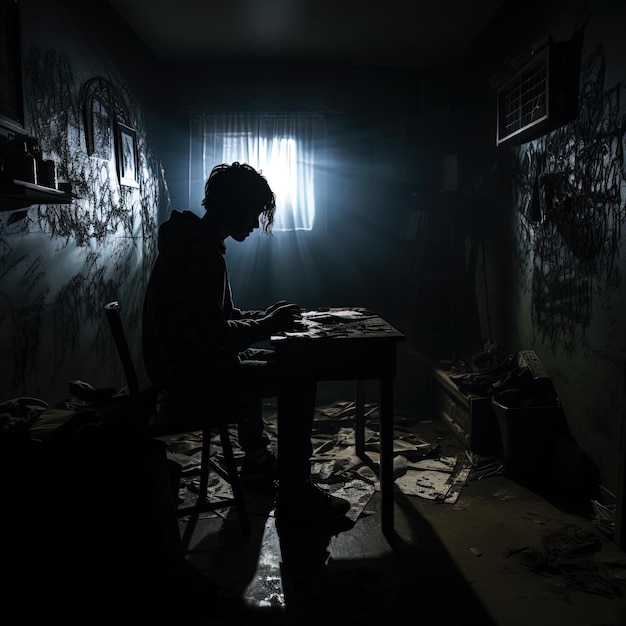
420, 33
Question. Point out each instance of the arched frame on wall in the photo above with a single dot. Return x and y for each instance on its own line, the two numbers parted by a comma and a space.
108, 131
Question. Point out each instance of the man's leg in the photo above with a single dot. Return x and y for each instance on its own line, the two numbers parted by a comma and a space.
256, 382
258, 377
252, 437
300, 502
297, 403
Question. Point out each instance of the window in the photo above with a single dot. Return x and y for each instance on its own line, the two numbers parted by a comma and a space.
286, 147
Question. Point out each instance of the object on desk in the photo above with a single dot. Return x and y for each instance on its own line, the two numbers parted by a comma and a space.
350, 322
345, 313
350, 314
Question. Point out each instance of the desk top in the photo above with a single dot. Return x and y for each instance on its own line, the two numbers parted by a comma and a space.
340, 322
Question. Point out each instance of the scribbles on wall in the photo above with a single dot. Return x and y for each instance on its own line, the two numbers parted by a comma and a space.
97, 248
571, 194
25, 318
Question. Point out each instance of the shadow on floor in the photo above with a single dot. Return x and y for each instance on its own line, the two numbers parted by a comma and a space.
335, 575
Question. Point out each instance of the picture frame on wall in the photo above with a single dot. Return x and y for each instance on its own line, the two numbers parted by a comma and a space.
126, 155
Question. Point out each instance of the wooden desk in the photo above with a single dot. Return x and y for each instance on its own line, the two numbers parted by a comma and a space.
347, 344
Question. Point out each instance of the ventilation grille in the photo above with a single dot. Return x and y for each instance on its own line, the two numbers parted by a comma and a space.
541, 95
525, 102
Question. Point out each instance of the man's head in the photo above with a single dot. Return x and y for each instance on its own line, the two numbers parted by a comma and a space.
238, 199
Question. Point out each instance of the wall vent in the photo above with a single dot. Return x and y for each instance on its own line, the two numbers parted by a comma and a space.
541, 95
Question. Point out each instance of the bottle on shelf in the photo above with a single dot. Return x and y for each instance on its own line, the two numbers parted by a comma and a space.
51, 174
35, 150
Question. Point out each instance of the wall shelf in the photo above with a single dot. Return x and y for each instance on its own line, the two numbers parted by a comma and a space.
19, 194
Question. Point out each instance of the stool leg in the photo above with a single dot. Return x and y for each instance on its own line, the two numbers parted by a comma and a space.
204, 466
359, 418
235, 483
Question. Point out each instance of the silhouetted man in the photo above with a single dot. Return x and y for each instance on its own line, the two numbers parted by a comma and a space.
197, 344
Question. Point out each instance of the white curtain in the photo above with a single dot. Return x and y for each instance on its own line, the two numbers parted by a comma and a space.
286, 147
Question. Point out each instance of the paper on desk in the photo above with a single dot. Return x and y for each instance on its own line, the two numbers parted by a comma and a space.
347, 314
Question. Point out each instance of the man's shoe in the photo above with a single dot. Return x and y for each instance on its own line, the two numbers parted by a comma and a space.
311, 505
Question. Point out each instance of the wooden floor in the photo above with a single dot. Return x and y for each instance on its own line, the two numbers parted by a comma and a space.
492, 553
499, 554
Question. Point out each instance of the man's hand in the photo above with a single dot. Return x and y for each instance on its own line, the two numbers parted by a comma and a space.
281, 316
277, 305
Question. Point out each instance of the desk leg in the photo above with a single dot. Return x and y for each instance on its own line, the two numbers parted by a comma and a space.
386, 457
359, 418
282, 440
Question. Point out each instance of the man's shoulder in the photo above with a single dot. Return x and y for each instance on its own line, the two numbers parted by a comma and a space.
184, 217
179, 223
190, 226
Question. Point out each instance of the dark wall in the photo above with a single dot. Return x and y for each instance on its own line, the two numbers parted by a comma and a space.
390, 216
385, 142
388, 129
61, 263
554, 285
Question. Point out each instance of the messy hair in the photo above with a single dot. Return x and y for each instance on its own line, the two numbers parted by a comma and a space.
231, 191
